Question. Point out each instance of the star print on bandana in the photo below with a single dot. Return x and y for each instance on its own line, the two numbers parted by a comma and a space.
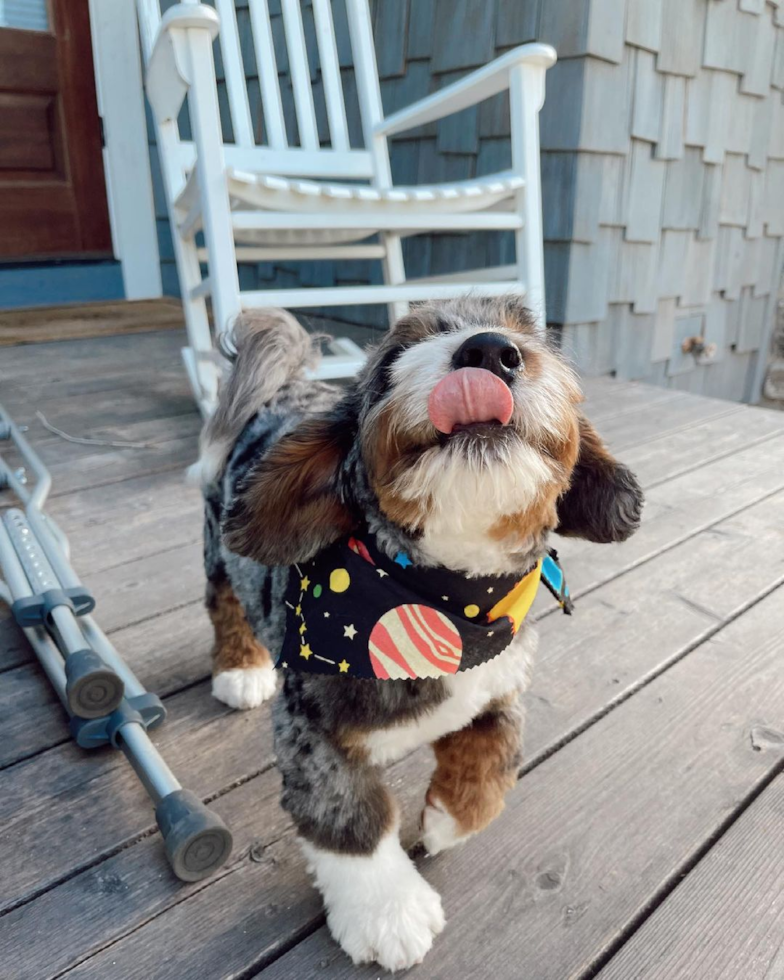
403, 622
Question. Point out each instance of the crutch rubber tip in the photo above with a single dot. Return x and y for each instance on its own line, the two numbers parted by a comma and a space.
197, 840
93, 689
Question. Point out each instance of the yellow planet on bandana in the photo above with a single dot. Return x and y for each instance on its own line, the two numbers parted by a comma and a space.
339, 580
471, 611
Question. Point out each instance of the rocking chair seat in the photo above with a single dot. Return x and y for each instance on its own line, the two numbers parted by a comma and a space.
249, 192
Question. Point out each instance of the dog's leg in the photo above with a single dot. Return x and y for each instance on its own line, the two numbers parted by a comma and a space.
243, 674
379, 908
475, 768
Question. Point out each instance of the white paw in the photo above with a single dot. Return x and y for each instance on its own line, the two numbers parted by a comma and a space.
395, 930
244, 687
439, 828
379, 908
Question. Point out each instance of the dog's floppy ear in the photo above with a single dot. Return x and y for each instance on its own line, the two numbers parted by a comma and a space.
604, 500
290, 505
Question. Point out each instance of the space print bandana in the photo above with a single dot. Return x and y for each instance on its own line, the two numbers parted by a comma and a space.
354, 611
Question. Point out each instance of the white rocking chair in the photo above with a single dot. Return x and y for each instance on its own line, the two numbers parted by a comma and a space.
255, 203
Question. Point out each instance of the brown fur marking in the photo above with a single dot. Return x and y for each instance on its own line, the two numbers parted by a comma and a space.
561, 453
529, 523
235, 644
386, 455
290, 503
353, 743
477, 766
592, 449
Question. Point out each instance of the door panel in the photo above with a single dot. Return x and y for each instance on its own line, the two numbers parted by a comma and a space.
52, 191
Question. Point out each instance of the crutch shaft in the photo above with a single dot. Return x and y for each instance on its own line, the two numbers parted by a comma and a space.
49, 658
153, 773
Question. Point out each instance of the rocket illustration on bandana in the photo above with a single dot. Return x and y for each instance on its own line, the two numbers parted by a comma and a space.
354, 611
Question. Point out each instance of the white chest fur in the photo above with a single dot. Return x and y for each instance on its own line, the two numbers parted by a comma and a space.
470, 691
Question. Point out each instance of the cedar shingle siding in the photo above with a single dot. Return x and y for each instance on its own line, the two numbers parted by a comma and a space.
662, 163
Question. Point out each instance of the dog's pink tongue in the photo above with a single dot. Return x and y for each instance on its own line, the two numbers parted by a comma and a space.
469, 395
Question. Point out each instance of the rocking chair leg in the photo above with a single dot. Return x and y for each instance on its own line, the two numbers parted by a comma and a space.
394, 273
203, 374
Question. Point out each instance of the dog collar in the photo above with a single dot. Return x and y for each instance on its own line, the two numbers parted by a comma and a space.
353, 610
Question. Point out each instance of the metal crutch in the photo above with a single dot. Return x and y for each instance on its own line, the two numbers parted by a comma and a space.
106, 702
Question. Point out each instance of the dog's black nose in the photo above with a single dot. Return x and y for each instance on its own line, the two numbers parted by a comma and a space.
491, 351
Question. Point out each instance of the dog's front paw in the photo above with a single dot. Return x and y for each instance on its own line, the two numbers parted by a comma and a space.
439, 828
395, 930
379, 908
244, 687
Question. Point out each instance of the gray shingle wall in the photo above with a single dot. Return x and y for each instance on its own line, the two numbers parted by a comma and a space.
662, 163
677, 226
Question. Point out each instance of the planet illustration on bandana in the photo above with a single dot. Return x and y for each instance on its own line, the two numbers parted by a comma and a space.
414, 641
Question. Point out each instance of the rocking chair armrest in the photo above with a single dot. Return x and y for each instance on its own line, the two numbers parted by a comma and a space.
167, 78
476, 87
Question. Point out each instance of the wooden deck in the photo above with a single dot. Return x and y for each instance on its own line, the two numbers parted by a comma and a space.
645, 837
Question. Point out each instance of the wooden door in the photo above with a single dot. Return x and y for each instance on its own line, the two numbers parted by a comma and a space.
52, 191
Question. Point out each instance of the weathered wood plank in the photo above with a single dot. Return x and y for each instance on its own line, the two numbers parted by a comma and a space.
669, 415
74, 321
668, 604
725, 920
37, 393
112, 525
101, 468
111, 411
660, 460
679, 510
604, 827
91, 358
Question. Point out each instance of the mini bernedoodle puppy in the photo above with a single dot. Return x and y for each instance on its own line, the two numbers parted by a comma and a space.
381, 544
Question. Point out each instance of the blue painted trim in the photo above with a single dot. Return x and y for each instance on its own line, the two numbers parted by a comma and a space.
48, 283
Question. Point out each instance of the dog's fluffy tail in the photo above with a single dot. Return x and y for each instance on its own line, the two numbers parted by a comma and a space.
267, 348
